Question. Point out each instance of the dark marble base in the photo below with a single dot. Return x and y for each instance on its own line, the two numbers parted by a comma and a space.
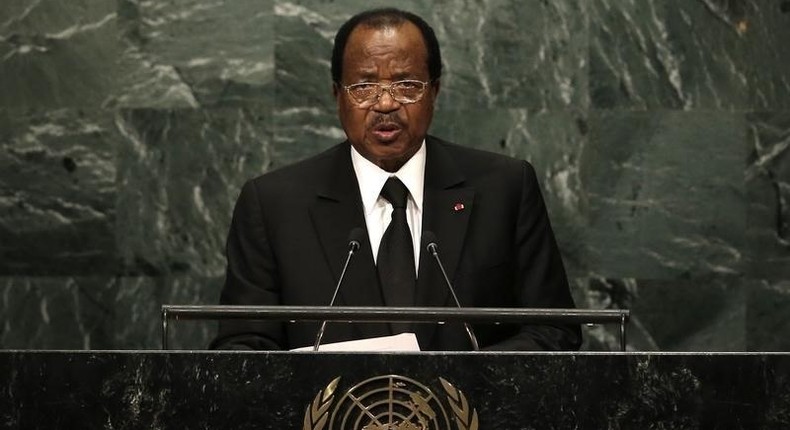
112, 390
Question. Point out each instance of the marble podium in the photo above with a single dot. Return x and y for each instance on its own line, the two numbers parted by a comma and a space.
495, 391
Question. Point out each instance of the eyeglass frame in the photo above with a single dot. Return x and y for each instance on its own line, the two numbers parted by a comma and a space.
388, 88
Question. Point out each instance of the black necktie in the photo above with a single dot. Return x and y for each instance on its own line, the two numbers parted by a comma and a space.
396, 252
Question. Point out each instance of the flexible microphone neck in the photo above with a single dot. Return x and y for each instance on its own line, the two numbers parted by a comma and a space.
433, 249
354, 239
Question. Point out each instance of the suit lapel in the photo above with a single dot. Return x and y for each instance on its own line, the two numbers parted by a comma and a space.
336, 211
448, 205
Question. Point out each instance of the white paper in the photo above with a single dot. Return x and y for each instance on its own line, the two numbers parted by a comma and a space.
398, 342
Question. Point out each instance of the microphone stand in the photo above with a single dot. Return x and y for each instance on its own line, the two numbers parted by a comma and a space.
433, 249
353, 246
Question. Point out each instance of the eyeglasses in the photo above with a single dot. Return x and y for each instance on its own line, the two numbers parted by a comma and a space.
366, 94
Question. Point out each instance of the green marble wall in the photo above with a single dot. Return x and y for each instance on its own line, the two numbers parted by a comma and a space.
660, 130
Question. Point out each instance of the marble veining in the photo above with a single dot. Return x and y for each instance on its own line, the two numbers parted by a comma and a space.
56, 192
240, 390
658, 129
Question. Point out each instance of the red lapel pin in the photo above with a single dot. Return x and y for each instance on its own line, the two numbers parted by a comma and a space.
458, 207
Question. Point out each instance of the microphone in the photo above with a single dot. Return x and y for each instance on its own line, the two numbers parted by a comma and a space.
433, 248
354, 238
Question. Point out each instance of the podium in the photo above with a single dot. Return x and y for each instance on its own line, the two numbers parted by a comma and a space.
374, 391
287, 390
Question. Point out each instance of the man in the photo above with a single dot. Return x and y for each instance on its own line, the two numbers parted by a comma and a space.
290, 231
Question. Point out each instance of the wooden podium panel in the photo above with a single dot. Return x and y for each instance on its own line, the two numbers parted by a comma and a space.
492, 391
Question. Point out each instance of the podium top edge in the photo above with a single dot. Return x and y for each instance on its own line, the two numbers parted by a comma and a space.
363, 313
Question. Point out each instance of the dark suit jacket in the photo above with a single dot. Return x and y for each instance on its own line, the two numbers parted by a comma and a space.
289, 238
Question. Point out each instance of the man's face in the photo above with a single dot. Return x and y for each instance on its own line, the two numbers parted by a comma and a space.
387, 132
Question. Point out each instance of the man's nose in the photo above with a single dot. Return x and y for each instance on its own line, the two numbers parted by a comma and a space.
386, 103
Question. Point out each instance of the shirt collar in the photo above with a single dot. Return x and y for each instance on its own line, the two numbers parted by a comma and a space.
371, 177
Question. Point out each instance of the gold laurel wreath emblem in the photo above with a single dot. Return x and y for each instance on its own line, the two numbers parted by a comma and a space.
318, 412
463, 418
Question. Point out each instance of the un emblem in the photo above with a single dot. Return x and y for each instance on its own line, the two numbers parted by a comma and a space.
389, 402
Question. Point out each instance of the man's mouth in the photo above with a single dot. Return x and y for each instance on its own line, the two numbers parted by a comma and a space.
386, 132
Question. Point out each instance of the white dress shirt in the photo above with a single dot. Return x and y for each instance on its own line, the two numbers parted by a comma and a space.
378, 211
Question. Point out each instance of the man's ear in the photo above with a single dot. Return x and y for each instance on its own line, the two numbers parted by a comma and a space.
335, 90
435, 87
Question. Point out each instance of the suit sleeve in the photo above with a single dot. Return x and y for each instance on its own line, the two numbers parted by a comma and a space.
540, 280
251, 277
